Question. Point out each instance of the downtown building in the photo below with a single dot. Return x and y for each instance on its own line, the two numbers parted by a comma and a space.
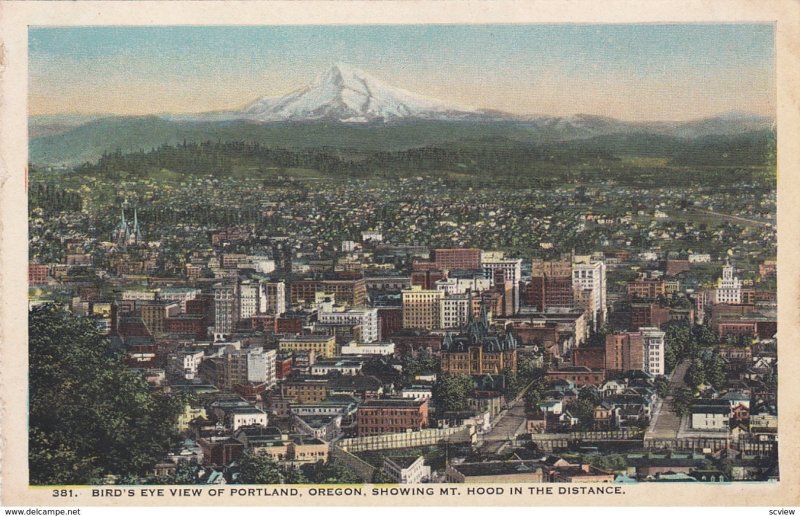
250, 299
250, 365
497, 269
729, 287
478, 351
637, 351
226, 307
349, 288
589, 283
391, 416
422, 308
654, 347
273, 294
457, 259
366, 318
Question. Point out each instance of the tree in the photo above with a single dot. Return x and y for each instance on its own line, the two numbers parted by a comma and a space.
259, 468
704, 335
682, 400
662, 386
612, 462
715, 371
696, 375
89, 415
583, 409
295, 476
590, 394
450, 392
513, 383
332, 473
423, 362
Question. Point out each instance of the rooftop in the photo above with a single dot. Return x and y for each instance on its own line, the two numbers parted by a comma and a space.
476, 469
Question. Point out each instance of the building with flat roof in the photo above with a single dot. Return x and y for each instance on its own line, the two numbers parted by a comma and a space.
505, 471
324, 346
388, 416
422, 308
406, 470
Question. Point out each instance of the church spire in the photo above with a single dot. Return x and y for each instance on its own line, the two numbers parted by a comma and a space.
137, 234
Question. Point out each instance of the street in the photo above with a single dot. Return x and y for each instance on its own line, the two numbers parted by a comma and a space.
665, 423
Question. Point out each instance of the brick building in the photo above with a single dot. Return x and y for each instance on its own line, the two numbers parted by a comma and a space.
648, 314
37, 273
477, 351
646, 288
462, 259
390, 416
625, 352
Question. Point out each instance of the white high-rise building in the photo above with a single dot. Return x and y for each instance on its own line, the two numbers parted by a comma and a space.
367, 318
653, 350
255, 365
226, 307
455, 310
250, 294
274, 296
512, 269
591, 276
729, 287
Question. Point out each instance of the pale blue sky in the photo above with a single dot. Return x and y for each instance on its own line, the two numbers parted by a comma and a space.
634, 72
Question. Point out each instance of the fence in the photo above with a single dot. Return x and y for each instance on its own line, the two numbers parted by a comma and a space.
427, 437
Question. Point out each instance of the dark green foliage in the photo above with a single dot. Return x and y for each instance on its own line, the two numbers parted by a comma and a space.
481, 157
714, 369
52, 199
333, 472
259, 468
609, 462
414, 365
682, 400
514, 383
662, 386
696, 374
90, 415
451, 391
590, 394
685, 341
583, 409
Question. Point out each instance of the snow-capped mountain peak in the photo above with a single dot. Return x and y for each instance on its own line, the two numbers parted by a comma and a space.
347, 94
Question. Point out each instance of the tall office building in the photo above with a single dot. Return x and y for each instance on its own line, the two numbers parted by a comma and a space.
653, 350
591, 276
226, 307
491, 263
274, 297
422, 308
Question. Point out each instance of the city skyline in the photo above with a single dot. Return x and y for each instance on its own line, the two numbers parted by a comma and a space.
630, 72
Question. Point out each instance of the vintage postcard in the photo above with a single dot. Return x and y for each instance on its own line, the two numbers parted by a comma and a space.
399, 253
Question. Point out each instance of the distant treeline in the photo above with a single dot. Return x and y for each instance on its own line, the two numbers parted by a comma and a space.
52, 199
491, 158
222, 158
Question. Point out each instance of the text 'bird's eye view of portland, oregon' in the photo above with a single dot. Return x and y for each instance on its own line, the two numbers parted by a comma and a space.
376, 255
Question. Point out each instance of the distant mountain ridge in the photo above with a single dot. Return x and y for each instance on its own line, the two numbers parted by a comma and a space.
345, 107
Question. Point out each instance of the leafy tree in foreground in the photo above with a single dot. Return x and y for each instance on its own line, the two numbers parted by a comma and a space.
662, 386
335, 473
259, 468
682, 400
451, 391
89, 415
